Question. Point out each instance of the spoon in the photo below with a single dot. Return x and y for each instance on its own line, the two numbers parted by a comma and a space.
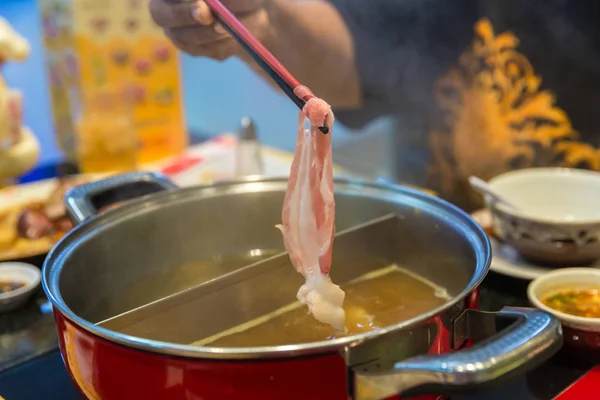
485, 189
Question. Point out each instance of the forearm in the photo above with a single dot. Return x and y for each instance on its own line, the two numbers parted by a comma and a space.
311, 39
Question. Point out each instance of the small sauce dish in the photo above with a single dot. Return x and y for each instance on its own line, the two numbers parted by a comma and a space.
18, 282
573, 296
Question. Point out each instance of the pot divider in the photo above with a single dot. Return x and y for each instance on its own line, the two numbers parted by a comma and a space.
255, 290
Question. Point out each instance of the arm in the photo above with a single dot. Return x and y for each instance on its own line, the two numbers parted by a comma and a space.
308, 36
312, 40
372, 58
379, 56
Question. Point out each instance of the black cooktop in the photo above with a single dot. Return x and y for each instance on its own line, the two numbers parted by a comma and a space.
31, 366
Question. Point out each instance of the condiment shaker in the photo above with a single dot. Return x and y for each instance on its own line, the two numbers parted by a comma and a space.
248, 160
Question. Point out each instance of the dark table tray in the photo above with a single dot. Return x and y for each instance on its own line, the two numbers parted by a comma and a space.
30, 363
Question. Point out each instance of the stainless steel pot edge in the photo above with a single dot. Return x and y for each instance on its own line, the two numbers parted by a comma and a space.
60, 252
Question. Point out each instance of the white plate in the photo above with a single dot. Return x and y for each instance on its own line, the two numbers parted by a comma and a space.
13, 196
214, 160
506, 261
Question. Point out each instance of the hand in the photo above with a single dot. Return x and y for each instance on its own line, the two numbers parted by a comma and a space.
192, 27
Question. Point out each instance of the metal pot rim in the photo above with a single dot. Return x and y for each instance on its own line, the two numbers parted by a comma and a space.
59, 255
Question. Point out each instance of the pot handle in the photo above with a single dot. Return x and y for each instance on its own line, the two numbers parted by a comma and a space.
85, 201
532, 338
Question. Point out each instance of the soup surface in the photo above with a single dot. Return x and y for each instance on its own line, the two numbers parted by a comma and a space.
181, 277
381, 298
579, 302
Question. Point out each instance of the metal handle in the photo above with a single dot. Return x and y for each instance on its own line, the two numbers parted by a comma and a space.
84, 201
531, 339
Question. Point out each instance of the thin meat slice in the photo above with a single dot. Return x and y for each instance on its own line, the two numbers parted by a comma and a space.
308, 217
34, 224
55, 204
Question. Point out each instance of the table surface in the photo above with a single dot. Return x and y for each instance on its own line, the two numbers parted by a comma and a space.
28, 334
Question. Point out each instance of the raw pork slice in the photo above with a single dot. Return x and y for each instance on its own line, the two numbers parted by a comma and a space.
308, 214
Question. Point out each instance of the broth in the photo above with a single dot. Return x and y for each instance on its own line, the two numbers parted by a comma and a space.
578, 302
181, 277
381, 298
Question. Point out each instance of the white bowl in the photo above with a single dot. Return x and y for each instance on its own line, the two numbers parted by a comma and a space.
19, 272
557, 215
561, 195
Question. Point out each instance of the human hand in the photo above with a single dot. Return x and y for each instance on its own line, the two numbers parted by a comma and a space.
192, 27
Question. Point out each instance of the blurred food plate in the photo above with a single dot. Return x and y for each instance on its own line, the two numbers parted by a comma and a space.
32, 217
215, 159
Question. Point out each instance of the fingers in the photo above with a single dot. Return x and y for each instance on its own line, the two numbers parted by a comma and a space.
219, 49
192, 27
242, 6
170, 14
175, 13
197, 35
203, 14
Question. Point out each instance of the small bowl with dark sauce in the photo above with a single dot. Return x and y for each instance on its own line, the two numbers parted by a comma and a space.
18, 282
573, 296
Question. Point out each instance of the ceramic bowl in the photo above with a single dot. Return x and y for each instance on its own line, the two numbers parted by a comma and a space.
26, 274
579, 332
557, 216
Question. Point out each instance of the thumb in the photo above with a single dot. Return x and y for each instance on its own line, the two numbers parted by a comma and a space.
169, 14
242, 6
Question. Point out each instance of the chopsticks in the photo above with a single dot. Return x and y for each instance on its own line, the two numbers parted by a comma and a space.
282, 77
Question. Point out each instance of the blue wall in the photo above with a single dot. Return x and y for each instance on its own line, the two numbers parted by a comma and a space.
30, 76
217, 95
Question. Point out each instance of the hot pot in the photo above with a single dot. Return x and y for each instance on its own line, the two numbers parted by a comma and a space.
91, 274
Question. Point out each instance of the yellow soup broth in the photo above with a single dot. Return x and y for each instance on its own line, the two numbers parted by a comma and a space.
384, 297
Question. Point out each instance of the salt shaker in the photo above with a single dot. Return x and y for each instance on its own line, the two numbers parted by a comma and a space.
248, 160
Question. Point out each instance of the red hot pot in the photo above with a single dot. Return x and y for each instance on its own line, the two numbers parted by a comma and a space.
95, 273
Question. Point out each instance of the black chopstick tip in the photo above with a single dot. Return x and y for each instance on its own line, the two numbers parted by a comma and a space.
324, 129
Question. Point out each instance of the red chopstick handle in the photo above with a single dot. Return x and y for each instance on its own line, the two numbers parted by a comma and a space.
235, 25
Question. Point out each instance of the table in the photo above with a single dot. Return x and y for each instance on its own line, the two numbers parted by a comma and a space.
28, 344
29, 353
